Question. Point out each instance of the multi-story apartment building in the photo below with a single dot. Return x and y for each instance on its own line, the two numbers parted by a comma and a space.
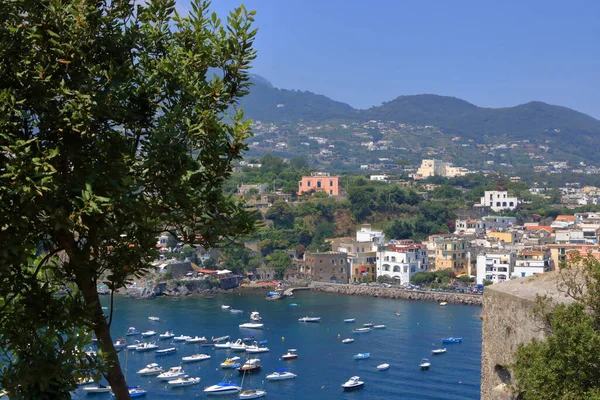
495, 267
528, 263
401, 260
436, 167
560, 252
498, 200
320, 182
367, 234
452, 253
330, 266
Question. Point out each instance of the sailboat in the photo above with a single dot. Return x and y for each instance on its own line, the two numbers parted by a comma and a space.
251, 393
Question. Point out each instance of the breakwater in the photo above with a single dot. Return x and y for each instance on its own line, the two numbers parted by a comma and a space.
395, 293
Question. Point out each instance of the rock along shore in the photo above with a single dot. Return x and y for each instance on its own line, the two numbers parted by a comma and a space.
394, 293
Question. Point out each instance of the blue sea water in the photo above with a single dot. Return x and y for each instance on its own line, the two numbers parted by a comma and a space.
324, 363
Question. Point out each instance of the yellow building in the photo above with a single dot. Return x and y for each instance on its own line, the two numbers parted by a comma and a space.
506, 237
436, 167
452, 253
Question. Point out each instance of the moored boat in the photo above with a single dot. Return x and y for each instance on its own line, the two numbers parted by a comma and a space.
136, 392
361, 330
349, 320
383, 367
255, 316
150, 369
250, 366
148, 333
256, 348
167, 335
120, 343
155, 319
452, 340
225, 307
443, 303
280, 375
361, 356
234, 311
172, 373
291, 354
225, 345
164, 352
131, 331
222, 388
141, 347
195, 357
96, 389
425, 364
231, 363
438, 351
379, 327
252, 325
181, 338
183, 381
196, 339
309, 319
252, 394
353, 383
369, 325
239, 345
347, 340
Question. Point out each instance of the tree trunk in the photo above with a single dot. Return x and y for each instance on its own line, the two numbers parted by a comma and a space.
101, 329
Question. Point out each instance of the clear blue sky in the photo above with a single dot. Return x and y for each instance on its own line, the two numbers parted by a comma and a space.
490, 53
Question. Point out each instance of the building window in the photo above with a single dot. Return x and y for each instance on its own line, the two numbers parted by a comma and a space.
342, 270
300, 184
320, 261
330, 183
318, 184
522, 274
332, 261
503, 204
341, 261
393, 259
396, 268
511, 204
497, 204
386, 267
308, 183
331, 192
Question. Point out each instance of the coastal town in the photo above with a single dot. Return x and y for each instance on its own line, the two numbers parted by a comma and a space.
488, 244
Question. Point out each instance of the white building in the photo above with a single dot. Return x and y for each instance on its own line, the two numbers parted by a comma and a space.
528, 263
401, 261
498, 200
383, 177
366, 234
495, 267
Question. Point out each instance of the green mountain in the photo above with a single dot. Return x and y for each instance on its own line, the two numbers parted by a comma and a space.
267, 103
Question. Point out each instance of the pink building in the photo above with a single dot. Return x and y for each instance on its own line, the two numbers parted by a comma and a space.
320, 182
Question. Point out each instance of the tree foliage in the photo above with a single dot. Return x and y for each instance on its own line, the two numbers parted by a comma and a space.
564, 364
111, 131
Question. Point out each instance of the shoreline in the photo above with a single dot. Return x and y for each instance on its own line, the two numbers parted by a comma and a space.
397, 294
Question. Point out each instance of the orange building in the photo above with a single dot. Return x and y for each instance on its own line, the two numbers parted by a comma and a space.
320, 182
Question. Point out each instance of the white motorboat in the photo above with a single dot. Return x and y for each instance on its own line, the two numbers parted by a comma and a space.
120, 343
251, 366
181, 338
256, 349
383, 367
164, 352
225, 345
361, 330
309, 319
222, 388
141, 347
172, 373
183, 381
148, 333
195, 357
150, 369
350, 320
280, 375
291, 354
155, 319
196, 339
353, 383
231, 363
166, 335
224, 307
361, 356
220, 339
234, 311
131, 331
438, 351
239, 345
369, 325
252, 325
255, 316
252, 394
379, 327
96, 389
443, 303
425, 364
134, 345
347, 340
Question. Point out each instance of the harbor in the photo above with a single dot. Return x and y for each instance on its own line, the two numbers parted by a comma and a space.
322, 363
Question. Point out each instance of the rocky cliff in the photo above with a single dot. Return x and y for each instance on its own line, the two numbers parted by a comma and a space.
394, 293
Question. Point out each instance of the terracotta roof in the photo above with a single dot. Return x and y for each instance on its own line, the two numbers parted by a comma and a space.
539, 228
570, 218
